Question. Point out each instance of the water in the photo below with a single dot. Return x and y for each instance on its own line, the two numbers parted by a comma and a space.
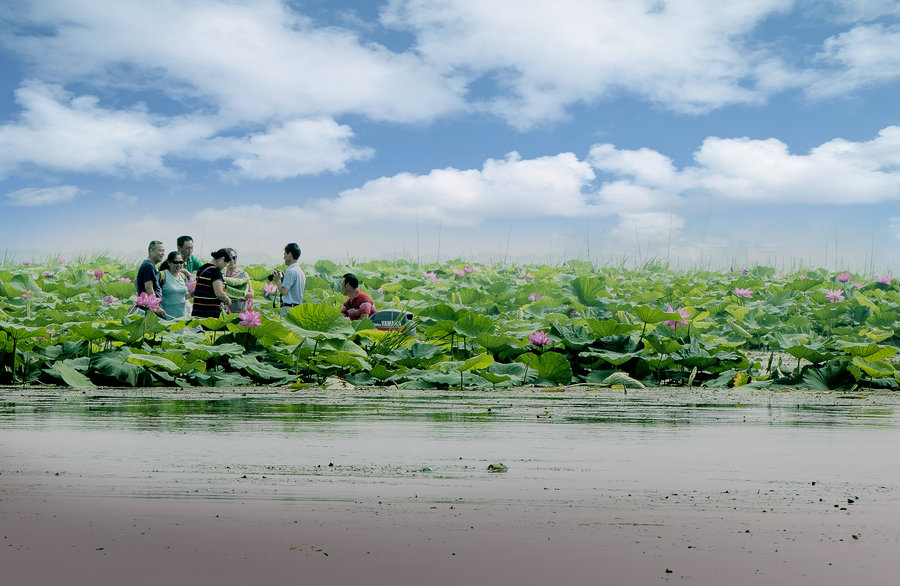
396, 477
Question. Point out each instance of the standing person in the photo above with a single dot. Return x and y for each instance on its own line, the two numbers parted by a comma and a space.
147, 280
186, 248
292, 282
174, 285
358, 304
237, 284
209, 293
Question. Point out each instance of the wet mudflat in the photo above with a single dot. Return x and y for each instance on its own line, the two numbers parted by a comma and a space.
347, 486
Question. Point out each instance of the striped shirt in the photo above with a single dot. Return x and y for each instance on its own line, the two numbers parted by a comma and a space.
206, 304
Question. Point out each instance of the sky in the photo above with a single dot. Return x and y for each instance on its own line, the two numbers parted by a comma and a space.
697, 133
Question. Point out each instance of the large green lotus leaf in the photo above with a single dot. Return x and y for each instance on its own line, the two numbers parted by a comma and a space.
118, 289
257, 369
621, 379
573, 336
206, 351
18, 332
550, 366
477, 362
811, 354
654, 315
72, 377
803, 284
874, 368
351, 361
115, 364
470, 296
614, 358
153, 360
588, 290
832, 376
872, 352
441, 312
271, 332
318, 320
606, 328
471, 325
492, 378
441, 329
86, 330
663, 345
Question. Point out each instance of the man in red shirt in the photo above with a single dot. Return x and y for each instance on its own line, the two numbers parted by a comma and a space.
358, 304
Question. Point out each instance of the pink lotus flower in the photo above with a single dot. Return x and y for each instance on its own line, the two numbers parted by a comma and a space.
745, 293
844, 277
61, 261
98, 274
884, 280
526, 276
431, 276
458, 273
124, 280
250, 318
858, 285
539, 338
743, 270
620, 277
535, 297
109, 300
27, 294
149, 302
467, 269
682, 312
834, 295
192, 285
270, 289
380, 290
777, 276
802, 277
627, 295
47, 274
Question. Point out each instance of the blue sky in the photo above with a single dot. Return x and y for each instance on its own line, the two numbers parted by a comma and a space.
698, 132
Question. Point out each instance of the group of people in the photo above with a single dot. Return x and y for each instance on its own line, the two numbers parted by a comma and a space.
222, 286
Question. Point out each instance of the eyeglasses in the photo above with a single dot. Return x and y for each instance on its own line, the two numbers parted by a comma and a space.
177, 262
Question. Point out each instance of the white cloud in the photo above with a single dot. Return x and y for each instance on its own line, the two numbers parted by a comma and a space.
689, 56
249, 61
738, 171
42, 196
298, 147
65, 133
863, 56
508, 188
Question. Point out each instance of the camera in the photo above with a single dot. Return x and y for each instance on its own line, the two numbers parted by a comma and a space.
275, 272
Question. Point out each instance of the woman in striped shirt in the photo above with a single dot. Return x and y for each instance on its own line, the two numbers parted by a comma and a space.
210, 299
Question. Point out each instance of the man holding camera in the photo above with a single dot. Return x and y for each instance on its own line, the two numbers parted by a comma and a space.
292, 281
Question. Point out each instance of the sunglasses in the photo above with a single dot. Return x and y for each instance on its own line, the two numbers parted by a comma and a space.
177, 262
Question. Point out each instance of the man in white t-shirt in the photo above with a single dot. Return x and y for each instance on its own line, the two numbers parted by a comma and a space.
293, 281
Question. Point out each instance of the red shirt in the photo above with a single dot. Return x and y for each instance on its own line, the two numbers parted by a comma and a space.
359, 306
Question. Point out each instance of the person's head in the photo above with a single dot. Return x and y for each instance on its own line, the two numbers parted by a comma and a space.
156, 251
291, 253
185, 246
349, 284
221, 258
233, 264
174, 262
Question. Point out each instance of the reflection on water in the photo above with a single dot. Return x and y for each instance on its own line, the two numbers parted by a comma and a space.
149, 412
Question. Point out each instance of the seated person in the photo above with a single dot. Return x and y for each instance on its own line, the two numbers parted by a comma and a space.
358, 304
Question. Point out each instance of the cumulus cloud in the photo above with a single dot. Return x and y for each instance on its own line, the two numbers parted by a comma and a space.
124, 199
510, 188
74, 133
297, 147
689, 56
42, 196
738, 171
246, 61
864, 56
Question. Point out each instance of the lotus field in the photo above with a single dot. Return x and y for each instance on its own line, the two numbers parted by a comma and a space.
478, 326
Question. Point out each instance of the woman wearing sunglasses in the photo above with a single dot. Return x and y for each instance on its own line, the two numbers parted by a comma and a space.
173, 278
